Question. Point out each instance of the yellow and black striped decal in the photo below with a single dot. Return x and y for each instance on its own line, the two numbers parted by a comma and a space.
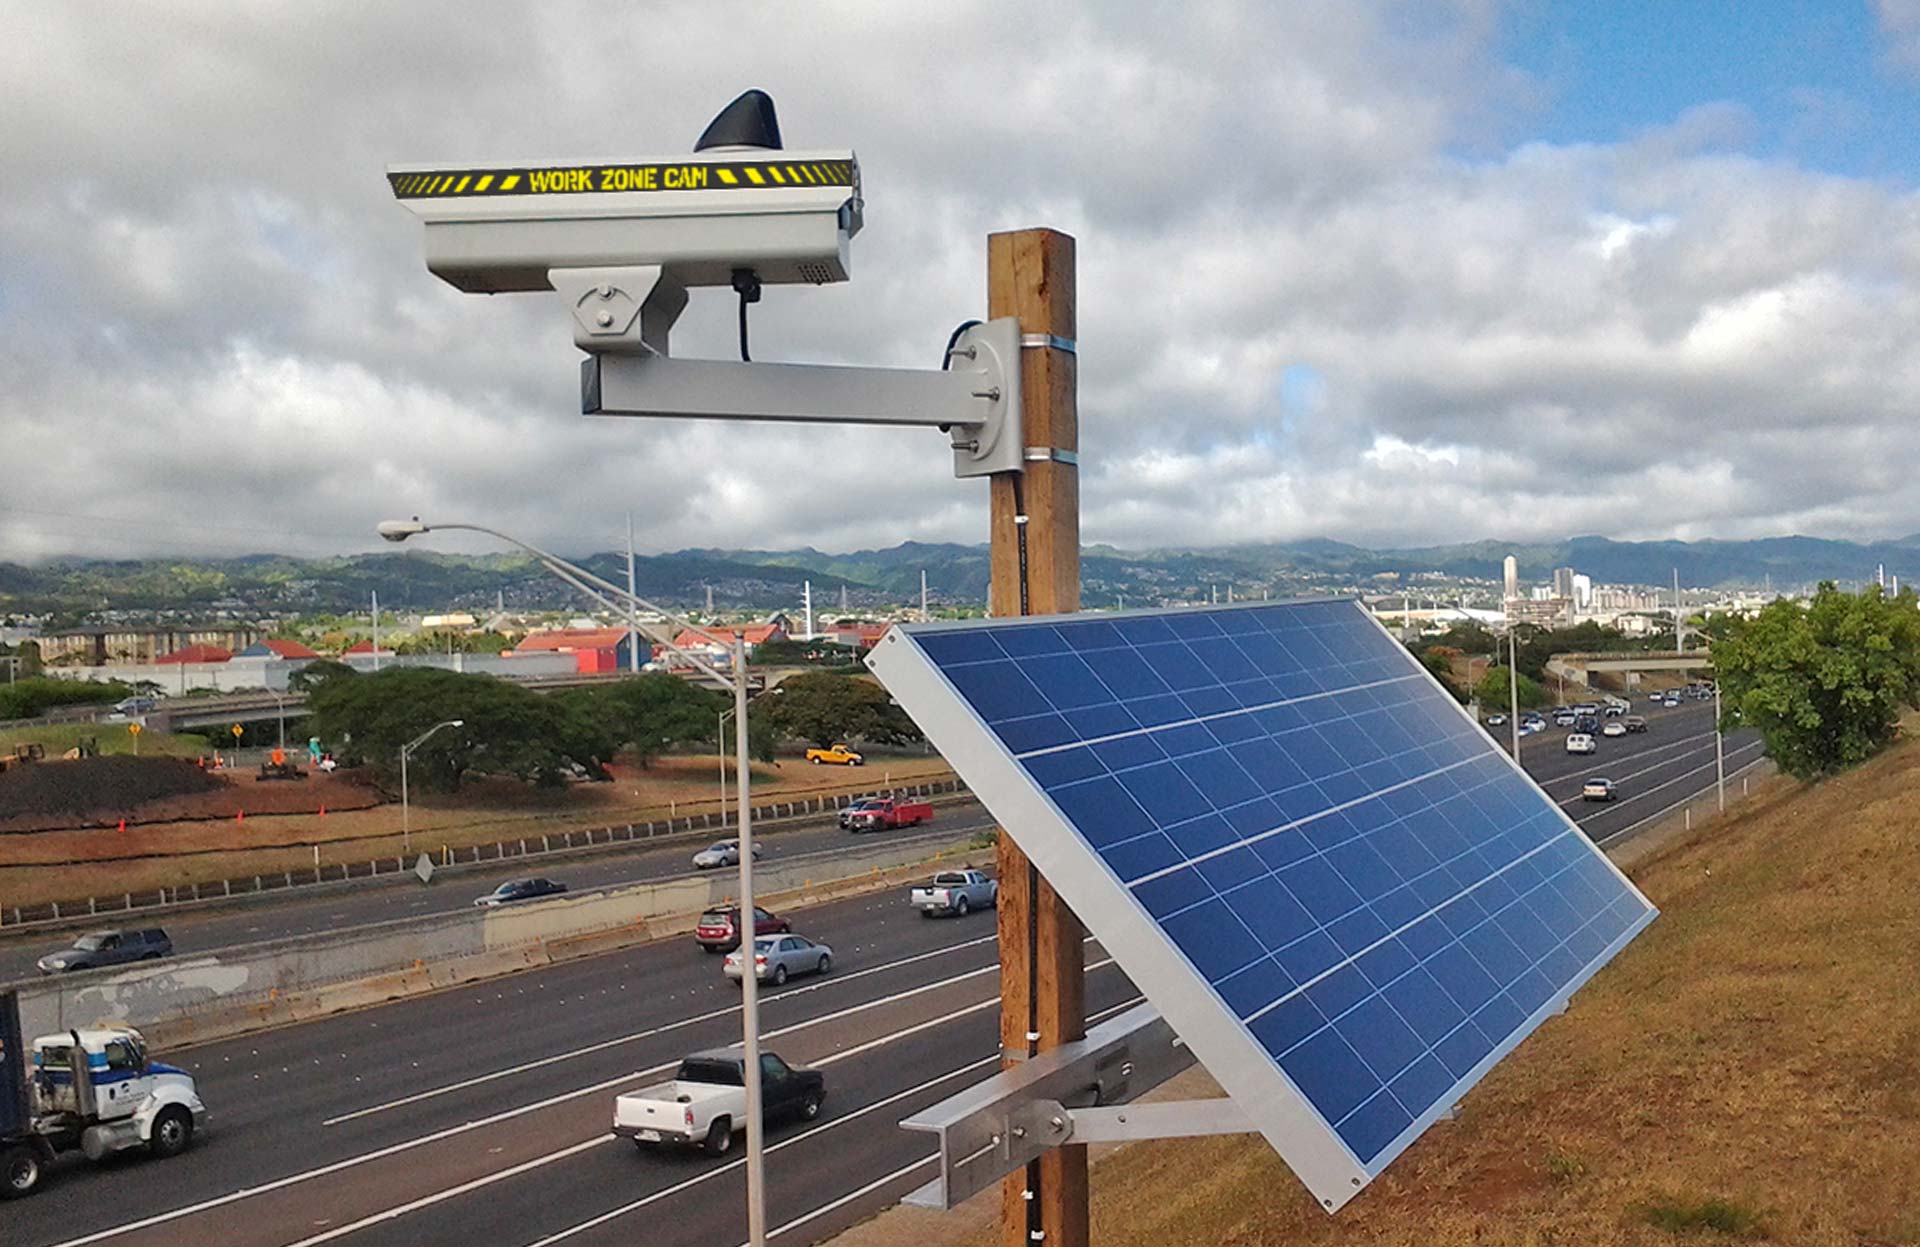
621, 179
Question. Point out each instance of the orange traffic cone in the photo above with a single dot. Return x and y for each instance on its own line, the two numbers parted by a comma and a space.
323, 811
123, 826
239, 816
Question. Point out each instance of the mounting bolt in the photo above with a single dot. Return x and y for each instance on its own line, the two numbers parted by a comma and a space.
606, 291
603, 318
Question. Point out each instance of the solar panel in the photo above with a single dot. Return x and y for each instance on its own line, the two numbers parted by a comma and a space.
1342, 895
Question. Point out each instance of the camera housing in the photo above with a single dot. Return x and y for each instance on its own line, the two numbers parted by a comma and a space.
494, 228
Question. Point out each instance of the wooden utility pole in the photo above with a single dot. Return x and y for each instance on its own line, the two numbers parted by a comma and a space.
1030, 274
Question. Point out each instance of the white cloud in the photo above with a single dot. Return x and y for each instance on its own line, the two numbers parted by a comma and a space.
1304, 311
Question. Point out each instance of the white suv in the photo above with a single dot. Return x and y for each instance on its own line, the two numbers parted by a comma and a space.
1580, 742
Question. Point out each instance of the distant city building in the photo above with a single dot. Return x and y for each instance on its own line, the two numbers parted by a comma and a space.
1550, 612
1582, 591
1512, 571
99, 645
447, 621
595, 651
1563, 582
196, 654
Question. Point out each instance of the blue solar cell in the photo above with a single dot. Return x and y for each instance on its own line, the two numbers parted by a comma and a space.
1372, 897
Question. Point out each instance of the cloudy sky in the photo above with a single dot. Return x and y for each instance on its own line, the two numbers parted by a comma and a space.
1388, 273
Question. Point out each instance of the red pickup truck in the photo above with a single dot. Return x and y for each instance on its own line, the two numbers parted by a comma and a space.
881, 813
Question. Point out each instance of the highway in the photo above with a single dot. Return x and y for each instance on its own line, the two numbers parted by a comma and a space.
283, 915
1670, 762
480, 1114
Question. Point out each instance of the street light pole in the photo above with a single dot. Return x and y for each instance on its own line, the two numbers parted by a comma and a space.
406, 818
1513, 687
720, 747
597, 587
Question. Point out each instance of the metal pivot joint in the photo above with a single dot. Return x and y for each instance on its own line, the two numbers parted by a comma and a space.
1076, 1093
622, 318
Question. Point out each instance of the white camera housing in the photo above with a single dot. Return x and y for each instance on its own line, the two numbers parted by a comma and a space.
493, 228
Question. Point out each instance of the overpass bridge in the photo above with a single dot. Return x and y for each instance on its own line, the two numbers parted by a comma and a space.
1581, 668
194, 714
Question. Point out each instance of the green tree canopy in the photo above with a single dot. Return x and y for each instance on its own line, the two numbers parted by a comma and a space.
650, 713
1494, 693
317, 672
1824, 682
506, 729
31, 698
822, 708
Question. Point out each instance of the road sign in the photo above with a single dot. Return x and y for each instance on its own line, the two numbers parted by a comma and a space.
236, 729
134, 728
1330, 881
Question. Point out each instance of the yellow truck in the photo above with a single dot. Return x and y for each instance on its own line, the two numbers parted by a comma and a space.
838, 755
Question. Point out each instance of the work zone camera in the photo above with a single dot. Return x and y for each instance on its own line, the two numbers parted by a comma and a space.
624, 241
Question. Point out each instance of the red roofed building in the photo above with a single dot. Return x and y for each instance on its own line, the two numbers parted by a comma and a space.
595, 650
719, 641
279, 649
363, 647
854, 632
197, 653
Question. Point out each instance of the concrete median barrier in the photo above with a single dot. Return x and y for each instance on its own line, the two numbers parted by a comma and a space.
197, 999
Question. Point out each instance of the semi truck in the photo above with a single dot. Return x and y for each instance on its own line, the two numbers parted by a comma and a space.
94, 1091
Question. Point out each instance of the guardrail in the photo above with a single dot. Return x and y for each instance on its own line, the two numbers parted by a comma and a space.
329, 874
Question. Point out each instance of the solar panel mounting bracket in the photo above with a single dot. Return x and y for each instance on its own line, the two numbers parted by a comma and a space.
1069, 1094
622, 318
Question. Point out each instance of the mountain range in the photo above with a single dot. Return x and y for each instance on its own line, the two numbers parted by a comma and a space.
269, 584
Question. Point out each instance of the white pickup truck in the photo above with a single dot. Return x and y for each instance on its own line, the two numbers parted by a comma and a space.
706, 1103
955, 892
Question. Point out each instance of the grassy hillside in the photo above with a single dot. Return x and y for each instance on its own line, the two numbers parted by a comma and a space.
1748, 1069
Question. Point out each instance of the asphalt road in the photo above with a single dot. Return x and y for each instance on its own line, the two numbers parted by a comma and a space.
481, 1115
1654, 771
279, 916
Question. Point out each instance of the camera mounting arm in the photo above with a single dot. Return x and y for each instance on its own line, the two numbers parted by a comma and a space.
622, 319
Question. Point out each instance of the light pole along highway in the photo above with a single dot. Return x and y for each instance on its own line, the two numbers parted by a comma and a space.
406, 751
400, 530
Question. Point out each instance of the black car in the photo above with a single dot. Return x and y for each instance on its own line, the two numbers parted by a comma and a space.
108, 948
1590, 724
520, 890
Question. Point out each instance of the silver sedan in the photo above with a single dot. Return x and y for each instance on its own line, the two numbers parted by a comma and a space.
721, 853
776, 958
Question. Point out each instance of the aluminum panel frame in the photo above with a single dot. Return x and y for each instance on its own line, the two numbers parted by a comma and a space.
1252, 1077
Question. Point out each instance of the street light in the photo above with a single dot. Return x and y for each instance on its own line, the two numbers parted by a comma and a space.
406, 822
598, 587
720, 744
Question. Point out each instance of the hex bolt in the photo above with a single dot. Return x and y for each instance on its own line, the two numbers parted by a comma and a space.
603, 318
606, 292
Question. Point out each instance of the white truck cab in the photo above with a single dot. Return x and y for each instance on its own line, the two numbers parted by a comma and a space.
95, 1091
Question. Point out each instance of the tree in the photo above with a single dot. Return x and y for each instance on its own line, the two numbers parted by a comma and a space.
1825, 682
651, 713
506, 729
316, 673
1439, 659
1494, 690
823, 708
30, 698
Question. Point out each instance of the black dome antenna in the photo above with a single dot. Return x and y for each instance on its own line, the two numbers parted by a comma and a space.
747, 122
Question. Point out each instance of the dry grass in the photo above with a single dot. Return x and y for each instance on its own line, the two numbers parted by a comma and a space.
1748, 1070
65, 865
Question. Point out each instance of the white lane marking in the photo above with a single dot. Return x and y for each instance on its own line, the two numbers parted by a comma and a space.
1685, 775
1579, 776
1567, 801
351, 1162
401, 1210
657, 1196
850, 1196
1610, 837
615, 1042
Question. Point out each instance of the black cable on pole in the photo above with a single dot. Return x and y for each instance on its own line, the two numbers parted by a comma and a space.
1036, 1228
747, 283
